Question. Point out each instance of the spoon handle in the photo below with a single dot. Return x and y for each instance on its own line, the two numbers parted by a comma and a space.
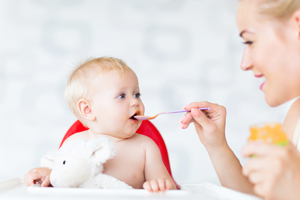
181, 111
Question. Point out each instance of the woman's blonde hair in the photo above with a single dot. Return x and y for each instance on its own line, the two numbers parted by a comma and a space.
281, 9
80, 83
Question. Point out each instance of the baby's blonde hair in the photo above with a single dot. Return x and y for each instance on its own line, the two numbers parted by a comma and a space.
80, 83
280, 9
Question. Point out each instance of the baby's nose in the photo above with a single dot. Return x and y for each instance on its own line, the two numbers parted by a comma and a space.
134, 101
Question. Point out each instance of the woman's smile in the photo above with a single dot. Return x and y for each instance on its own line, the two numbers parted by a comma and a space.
262, 81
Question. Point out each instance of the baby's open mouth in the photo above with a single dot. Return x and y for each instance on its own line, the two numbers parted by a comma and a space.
135, 114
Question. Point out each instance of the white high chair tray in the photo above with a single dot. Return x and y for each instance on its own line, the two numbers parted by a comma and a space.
16, 189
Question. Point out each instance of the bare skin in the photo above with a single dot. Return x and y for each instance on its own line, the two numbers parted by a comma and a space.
291, 119
109, 113
140, 158
210, 127
272, 52
275, 167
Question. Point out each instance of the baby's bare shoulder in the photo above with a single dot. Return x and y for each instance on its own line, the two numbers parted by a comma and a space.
145, 141
141, 137
78, 136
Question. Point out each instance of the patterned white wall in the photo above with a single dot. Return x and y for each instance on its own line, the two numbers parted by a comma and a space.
181, 50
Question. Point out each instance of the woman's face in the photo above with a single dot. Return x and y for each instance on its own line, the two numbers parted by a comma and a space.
272, 52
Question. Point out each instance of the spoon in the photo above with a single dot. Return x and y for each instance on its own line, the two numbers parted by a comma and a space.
140, 117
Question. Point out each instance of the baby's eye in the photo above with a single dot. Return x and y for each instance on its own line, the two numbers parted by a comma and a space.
121, 96
137, 95
64, 162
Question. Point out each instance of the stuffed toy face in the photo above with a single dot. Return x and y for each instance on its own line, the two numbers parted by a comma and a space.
77, 161
70, 170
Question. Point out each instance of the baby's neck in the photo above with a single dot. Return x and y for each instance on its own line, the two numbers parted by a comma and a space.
112, 138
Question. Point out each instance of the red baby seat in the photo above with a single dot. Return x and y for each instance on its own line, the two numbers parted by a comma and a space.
146, 128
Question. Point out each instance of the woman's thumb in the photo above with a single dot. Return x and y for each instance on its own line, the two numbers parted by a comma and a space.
199, 117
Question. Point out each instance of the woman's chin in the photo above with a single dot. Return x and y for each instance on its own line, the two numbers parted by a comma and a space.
273, 101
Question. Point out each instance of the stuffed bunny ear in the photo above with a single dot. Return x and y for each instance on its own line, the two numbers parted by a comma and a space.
48, 161
100, 150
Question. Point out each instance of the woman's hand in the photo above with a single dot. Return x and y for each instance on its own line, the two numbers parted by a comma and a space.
275, 171
210, 125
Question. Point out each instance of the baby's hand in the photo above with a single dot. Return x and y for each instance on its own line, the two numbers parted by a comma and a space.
158, 185
38, 175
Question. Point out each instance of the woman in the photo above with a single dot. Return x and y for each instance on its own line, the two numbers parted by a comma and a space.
271, 31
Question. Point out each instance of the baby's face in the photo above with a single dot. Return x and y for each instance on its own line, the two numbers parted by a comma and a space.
115, 100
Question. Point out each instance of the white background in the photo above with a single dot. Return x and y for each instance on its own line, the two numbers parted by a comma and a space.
181, 50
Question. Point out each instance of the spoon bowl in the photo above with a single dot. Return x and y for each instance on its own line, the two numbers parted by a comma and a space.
140, 117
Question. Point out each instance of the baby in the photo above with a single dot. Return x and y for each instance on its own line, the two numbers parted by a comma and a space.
104, 95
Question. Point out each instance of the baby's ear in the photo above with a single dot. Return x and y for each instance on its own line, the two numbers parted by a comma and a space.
100, 150
48, 161
85, 109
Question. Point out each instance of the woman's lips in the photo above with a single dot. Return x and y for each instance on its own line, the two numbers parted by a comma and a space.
262, 85
262, 81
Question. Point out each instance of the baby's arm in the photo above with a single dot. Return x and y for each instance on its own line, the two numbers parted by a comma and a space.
156, 175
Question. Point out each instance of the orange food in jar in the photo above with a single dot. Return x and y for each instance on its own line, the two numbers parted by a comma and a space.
270, 133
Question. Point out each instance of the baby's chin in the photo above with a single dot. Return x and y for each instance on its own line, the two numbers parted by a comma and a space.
128, 135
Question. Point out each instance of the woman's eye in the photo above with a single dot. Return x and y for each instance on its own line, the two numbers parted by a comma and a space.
121, 96
248, 42
137, 95
64, 162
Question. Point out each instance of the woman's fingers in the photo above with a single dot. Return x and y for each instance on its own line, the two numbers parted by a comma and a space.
273, 170
195, 115
260, 148
186, 120
209, 124
200, 117
215, 110
256, 177
254, 165
259, 189
200, 104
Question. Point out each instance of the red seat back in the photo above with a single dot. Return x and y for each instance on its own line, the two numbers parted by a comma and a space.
146, 128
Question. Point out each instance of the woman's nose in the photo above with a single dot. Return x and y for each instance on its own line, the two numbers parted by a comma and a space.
246, 63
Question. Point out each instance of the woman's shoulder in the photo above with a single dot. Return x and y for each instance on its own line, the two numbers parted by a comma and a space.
292, 118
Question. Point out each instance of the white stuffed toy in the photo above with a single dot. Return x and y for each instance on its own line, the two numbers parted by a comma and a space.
79, 163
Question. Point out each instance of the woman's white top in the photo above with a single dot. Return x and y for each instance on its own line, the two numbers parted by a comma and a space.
296, 137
